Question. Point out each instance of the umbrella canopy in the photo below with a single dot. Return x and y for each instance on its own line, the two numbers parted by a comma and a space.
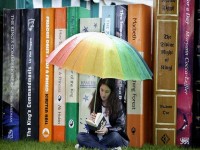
102, 55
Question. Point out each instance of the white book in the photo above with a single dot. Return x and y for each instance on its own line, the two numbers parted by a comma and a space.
98, 123
87, 86
87, 83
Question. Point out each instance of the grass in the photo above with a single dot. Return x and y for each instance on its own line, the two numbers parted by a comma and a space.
34, 145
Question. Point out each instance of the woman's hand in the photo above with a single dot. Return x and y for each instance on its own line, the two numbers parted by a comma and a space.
93, 116
102, 131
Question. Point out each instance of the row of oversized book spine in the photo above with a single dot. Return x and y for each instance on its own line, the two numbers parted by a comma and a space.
161, 113
29, 83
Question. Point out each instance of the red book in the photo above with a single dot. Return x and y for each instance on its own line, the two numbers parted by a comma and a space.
185, 73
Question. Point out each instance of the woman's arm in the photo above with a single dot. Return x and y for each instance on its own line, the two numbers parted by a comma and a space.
118, 122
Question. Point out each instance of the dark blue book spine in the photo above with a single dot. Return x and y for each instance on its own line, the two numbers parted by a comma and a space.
29, 98
121, 32
121, 21
11, 74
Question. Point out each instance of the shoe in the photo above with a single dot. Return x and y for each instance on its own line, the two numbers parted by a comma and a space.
117, 148
77, 146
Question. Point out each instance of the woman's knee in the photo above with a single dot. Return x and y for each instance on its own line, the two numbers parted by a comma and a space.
115, 135
80, 137
118, 139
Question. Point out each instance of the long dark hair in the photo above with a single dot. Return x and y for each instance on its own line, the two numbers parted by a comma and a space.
112, 104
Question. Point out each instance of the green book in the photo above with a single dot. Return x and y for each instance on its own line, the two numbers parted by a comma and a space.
73, 19
73, 27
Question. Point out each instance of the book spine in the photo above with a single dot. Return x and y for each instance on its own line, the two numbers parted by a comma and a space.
71, 89
165, 71
121, 16
46, 75
196, 72
139, 97
11, 74
29, 99
87, 83
59, 80
71, 21
108, 19
90, 24
72, 106
87, 87
185, 73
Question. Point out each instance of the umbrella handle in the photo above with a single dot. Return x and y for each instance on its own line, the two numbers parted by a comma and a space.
95, 100
96, 94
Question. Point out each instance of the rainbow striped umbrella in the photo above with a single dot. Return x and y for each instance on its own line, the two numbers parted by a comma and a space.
102, 55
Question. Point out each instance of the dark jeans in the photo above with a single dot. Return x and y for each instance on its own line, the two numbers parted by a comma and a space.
113, 139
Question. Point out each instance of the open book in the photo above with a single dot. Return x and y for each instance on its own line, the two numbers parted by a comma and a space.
99, 122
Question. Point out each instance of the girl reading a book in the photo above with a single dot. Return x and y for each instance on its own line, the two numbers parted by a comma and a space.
113, 133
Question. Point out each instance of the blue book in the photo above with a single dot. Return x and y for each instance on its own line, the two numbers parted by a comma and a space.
108, 19
121, 15
11, 74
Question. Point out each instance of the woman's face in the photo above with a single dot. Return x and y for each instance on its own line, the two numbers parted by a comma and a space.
104, 92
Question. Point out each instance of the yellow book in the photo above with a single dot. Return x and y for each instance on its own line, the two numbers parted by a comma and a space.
165, 71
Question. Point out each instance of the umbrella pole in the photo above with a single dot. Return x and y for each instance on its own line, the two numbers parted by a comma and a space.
95, 100
96, 94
